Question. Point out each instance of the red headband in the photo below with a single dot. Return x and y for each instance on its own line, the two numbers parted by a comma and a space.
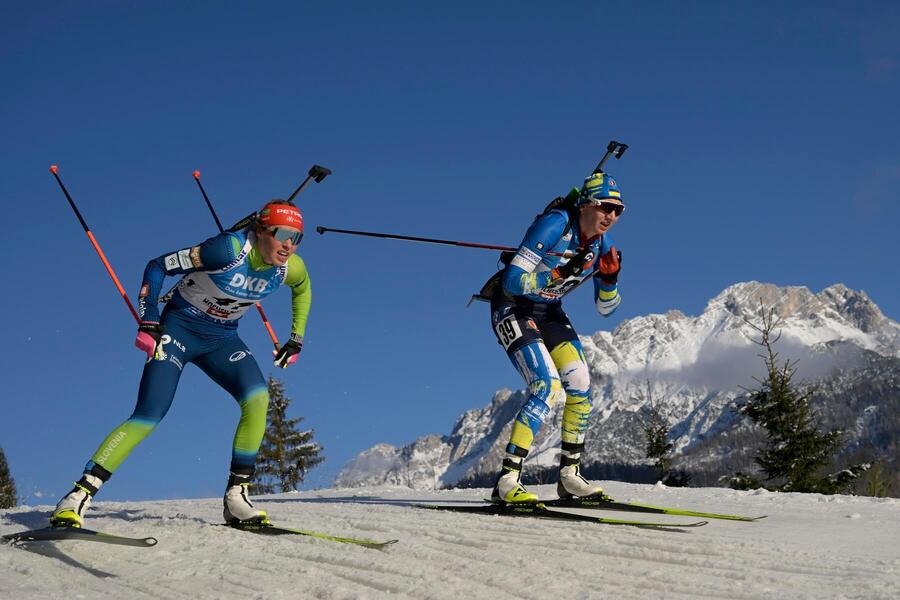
284, 215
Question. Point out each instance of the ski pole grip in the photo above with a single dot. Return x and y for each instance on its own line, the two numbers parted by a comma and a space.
319, 172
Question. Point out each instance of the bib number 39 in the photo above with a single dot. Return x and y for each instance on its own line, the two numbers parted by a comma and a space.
508, 331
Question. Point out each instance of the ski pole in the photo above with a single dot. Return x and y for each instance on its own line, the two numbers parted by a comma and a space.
196, 175
316, 172
614, 148
55, 170
322, 230
259, 307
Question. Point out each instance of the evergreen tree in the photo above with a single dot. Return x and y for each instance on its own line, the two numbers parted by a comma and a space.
877, 483
286, 454
796, 451
7, 485
656, 440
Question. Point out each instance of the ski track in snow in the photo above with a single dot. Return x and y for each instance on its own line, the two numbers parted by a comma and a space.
810, 546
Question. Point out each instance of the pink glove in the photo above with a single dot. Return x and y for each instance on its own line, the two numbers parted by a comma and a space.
148, 340
289, 353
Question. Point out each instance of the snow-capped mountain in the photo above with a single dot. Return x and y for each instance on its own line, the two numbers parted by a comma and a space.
693, 368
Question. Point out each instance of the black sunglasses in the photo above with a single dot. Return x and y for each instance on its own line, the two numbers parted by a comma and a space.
608, 207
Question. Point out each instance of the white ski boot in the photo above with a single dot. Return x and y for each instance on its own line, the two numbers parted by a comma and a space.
69, 512
571, 483
238, 508
509, 488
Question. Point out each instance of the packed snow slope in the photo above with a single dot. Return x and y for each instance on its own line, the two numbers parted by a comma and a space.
809, 546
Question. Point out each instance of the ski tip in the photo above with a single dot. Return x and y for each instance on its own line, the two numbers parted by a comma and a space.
375, 545
680, 525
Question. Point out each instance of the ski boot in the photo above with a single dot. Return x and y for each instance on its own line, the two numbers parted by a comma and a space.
69, 512
571, 484
238, 508
509, 488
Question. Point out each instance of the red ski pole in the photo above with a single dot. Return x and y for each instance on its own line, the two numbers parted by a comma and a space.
55, 170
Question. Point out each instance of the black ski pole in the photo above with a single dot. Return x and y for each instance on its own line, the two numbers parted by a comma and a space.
614, 148
316, 172
391, 236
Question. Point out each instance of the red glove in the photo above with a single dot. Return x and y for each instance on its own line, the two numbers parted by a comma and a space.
610, 265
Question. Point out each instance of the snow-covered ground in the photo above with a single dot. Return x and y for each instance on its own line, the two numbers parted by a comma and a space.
810, 546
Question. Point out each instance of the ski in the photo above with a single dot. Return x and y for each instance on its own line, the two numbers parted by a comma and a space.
608, 504
270, 529
52, 534
539, 510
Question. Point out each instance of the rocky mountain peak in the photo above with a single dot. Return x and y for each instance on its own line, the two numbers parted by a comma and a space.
695, 365
857, 307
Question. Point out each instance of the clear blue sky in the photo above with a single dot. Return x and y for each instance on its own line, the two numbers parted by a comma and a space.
764, 146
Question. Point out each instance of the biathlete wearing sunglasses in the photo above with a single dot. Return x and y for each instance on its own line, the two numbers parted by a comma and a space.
221, 279
530, 324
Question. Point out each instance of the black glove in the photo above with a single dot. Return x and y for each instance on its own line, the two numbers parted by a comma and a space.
582, 259
610, 265
289, 352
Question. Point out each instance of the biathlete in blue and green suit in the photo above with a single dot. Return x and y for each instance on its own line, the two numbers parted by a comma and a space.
220, 280
530, 324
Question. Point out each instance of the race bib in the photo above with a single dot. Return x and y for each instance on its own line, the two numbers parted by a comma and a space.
508, 331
